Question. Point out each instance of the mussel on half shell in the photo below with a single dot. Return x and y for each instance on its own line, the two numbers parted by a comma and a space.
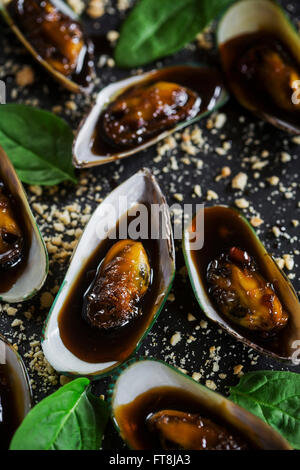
260, 53
155, 406
115, 287
239, 285
52, 33
137, 112
23, 255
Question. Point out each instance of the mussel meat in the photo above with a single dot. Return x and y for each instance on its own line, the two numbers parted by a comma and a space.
23, 255
242, 294
139, 111
143, 112
122, 279
179, 430
266, 59
11, 235
154, 406
239, 285
55, 36
104, 310
259, 51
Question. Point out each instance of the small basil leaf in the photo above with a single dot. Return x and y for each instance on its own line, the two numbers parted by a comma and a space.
155, 29
69, 419
38, 143
273, 396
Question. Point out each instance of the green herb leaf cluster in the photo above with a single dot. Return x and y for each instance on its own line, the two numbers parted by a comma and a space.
38, 143
273, 396
156, 28
69, 419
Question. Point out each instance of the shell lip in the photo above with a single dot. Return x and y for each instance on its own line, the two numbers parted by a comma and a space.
279, 123
24, 372
258, 25
66, 81
113, 386
208, 308
110, 92
51, 331
37, 244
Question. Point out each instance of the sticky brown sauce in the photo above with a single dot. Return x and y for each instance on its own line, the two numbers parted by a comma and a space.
205, 82
132, 417
55, 37
9, 276
222, 230
90, 344
253, 78
102, 46
11, 403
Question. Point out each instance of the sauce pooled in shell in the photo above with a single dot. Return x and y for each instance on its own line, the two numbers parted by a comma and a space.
178, 430
172, 418
121, 281
142, 112
138, 114
15, 393
262, 73
262, 63
243, 295
11, 236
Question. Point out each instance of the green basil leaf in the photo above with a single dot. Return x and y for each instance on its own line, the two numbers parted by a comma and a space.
156, 28
38, 143
273, 396
69, 419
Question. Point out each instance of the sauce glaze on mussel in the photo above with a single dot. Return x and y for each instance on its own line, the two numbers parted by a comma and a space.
239, 285
260, 56
23, 255
242, 294
177, 430
52, 33
14, 240
121, 281
144, 111
11, 233
112, 299
154, 406
137, 112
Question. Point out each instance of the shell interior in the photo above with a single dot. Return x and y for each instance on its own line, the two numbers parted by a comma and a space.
82, 153
141, 187
251, 16
34, 275
137, 377
19, 380
243, 18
